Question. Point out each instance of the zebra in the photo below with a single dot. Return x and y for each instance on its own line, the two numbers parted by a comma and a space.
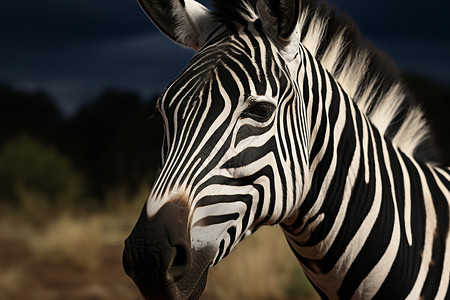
286, 116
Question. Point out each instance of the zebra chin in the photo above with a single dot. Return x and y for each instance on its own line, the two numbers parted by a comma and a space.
159, 259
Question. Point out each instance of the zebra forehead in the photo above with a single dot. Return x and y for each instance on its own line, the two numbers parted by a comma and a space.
229, 64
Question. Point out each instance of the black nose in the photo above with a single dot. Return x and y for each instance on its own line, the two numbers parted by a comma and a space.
157, 253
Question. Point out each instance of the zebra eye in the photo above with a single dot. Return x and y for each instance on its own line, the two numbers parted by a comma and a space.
260, 111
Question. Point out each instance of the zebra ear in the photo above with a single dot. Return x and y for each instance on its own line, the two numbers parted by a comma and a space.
184, 21
281, 17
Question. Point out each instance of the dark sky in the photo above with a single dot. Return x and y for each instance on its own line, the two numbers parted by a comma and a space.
76, 49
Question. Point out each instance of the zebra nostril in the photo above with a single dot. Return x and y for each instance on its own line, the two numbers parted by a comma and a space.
180, 257
181, 262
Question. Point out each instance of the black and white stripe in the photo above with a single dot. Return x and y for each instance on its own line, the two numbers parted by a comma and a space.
298, 124
375, 221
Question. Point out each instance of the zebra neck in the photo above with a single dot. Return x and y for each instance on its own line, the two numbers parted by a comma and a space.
341, 140
372, 220
342, 151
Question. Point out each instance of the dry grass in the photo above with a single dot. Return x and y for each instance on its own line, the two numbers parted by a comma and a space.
73, 242
262, 267
66, 253
76, 241
11, 281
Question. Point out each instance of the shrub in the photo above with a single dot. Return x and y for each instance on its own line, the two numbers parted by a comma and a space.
27, 167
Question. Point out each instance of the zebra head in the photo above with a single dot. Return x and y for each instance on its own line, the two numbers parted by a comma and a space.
229, 161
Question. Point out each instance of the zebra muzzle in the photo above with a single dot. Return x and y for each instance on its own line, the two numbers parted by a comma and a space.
158, 256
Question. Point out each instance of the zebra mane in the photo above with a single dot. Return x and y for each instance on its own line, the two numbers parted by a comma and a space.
367, 76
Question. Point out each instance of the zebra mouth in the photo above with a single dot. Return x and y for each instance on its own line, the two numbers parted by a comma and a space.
155, 286
178, 291
199, 288
192, 285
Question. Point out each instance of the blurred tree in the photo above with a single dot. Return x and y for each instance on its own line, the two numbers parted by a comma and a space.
30, 167
34, 114
112, 140
115, 141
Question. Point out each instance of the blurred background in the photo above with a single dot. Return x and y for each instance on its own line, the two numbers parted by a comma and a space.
79, 147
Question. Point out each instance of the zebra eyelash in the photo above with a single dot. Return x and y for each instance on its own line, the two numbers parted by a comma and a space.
259, 111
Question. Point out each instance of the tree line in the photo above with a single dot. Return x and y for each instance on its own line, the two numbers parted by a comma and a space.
115, 139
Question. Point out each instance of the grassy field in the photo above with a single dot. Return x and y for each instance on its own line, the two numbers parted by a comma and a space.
72, 254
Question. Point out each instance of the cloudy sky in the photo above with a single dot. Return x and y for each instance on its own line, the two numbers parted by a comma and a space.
75, 49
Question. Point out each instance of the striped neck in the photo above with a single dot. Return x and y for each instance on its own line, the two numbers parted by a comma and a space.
372, 220
344, 148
